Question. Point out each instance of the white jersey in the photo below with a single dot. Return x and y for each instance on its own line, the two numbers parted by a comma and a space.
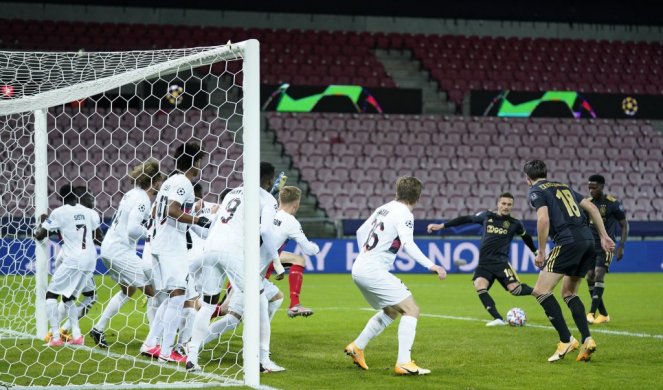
228, 228
287, 227
76, 225
170, 235
382, 235
129, 224
198, 242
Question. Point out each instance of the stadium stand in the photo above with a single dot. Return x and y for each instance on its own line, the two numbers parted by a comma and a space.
343, 157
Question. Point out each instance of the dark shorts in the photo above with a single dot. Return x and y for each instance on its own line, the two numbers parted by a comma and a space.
602, 258
503, 273
573, 259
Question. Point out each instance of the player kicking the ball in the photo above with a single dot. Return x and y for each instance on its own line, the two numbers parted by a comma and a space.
379, 239
498, 229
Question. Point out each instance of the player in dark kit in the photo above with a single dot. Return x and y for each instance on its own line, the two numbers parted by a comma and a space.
612, 213
558, 215
498, 231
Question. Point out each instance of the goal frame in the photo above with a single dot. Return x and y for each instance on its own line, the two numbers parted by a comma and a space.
39, 104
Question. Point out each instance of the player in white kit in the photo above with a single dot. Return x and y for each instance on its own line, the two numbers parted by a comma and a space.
118, 250
388, 229
224, 256
76, 223
174, 202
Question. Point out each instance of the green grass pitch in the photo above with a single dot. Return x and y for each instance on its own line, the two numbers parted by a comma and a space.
451, 340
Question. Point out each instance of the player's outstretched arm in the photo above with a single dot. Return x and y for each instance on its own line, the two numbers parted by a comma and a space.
606, 242
175, 211
527, 239
462, 220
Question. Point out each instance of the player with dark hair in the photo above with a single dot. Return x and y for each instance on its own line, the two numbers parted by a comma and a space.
612, 213
75, 224
498, 231
174, 203
558, 210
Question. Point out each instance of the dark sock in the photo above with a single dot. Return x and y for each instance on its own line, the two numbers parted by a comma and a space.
521, 290
554, 313
488, 303
598, 292
578, 311
591, 297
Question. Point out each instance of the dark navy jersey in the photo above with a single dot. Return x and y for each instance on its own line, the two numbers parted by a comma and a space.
496, 236
567, 220
611, 211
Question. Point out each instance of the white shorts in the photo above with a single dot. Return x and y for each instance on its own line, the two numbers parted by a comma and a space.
379, 287
170, 271
236, 304
69, 282
216, 266
195, 258
127, 269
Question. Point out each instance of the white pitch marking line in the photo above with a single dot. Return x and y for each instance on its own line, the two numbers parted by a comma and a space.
458, 318
223, 381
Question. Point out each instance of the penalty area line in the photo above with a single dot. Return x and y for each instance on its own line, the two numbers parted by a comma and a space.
538, 326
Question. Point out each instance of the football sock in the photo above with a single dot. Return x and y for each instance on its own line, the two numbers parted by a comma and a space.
72, 311
52, 315
86, 304
265, 329
199, 331
554, 313
171, 321
186, 327
597, 298
521, 290
407, 329
113, 307
62, 314
218, 328
488, 303
373, 327
156, 328
578, 311
592, 309
273, 307
295, 280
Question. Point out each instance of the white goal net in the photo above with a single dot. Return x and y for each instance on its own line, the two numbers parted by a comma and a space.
86, 119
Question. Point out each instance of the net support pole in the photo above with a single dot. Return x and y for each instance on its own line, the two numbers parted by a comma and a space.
251, 125
41, 207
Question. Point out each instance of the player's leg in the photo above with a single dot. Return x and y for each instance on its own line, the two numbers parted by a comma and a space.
274, 297
112, 308
545, 284
229, 321
53, 338
191, 306
211, 281
295, 280
266, 362
599, 289
512, 283
482, 281
569, 292
407, 330
590, 285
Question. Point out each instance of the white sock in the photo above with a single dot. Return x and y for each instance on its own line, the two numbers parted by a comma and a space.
189, 315
199, 331
273, 307
407, 329
171, 321
218, 328
52, 315
156, 328
85, 305
153, 304
71, 309
265, 329
62, 314
111, 309
373, 327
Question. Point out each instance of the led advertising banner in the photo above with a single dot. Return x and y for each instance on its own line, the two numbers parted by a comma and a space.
565, 104
340, 98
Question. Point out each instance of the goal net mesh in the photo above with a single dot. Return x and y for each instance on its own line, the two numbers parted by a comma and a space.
107, 112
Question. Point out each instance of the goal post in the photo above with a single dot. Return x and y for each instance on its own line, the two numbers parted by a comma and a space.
86, 119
